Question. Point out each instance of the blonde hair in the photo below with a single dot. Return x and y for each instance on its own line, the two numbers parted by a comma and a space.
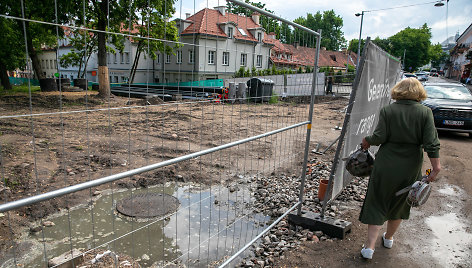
409, 89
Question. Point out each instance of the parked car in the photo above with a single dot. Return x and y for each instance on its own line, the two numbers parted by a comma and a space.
422, 76
451, 104
408, 75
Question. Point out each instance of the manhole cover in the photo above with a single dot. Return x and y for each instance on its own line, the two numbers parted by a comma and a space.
147, 205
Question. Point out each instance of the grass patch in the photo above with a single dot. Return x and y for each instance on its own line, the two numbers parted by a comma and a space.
274, 99
20, 89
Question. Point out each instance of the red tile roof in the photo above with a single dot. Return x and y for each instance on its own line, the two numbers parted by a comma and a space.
208, 21
305, 56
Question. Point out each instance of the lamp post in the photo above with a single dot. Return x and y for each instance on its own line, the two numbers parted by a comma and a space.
360, 36
439, 3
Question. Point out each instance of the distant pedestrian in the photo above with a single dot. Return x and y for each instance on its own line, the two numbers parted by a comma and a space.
404, 130
329, 86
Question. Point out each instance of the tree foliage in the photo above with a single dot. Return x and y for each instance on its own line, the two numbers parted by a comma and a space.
12, 50
331, 36
38, 35
416, 42
437, 55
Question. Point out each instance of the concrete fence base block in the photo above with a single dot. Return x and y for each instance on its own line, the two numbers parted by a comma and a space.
328, 225
65, 260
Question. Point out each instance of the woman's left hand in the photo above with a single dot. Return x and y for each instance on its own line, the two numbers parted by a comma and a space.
365, 145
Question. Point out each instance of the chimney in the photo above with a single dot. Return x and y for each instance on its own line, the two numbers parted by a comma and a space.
221, 9
255, 17
187, 15
323, 48
271, 35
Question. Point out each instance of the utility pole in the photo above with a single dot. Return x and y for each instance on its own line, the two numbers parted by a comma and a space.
404, 51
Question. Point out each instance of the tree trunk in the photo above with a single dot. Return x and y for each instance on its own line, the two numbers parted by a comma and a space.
103, 80
135, 64
38, 70
4, 76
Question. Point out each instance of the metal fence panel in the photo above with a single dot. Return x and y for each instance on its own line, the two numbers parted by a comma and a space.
378, 73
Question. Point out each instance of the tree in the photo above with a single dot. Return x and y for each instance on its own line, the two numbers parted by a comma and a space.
38, 35
12, 50
126, 16
354, 45
437, 55
416, 43
152, 22
83, 46
332, 38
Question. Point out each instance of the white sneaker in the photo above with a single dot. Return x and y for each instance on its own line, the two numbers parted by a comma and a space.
388, 243
367, 253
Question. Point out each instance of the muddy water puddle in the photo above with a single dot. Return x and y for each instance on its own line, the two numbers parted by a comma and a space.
209, 224
451, 242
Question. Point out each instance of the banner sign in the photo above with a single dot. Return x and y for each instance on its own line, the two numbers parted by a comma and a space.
378, 73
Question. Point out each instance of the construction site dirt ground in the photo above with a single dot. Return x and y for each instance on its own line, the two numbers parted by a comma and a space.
69, 148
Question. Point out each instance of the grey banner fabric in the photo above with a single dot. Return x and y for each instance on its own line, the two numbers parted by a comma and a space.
379, 73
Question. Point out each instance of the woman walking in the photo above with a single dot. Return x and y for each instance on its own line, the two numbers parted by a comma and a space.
405, 129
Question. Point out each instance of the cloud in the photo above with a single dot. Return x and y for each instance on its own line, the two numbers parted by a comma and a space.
454, 22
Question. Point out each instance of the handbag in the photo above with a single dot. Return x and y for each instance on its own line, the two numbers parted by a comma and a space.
360, 163
418, 192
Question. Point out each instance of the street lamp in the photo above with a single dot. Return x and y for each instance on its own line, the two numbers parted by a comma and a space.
439, 3
360, 36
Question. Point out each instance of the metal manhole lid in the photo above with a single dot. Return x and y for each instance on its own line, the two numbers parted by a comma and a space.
147, 205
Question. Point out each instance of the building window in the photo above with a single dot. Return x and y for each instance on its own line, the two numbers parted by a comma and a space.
158, 58
47, 64
242, 32
167, 58
230, 32
259, 37
191, 58
211, 57
259, 61
51, 64
116, 79
55, 64
179, 56
127, 57
116, 58
42, 64
225, 58
243, 59
122, 58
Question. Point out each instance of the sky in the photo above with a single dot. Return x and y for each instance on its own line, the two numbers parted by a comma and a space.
381, 23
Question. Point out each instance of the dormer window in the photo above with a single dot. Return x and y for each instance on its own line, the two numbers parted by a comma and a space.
242, 31
333, 57
259, 37
230, 32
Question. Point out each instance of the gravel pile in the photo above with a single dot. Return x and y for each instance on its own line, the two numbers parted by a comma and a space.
274, 195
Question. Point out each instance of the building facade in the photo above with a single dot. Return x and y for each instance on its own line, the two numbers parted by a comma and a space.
460, 61
215, 44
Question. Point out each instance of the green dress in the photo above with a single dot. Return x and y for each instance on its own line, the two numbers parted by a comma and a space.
404, 130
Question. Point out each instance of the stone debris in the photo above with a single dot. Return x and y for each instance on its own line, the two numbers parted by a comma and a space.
275, 194
48, 223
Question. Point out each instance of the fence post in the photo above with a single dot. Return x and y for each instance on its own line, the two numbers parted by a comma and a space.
310, 120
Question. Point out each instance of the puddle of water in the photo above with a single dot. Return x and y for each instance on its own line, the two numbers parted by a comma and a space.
197, 231
453, 245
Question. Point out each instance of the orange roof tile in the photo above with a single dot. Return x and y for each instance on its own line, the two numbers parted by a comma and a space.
208, 21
